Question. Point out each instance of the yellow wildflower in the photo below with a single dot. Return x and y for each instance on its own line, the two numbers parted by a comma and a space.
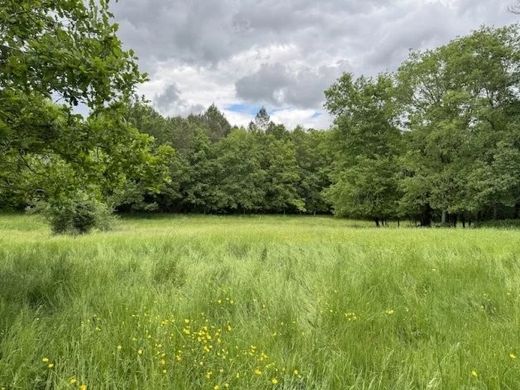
274, 381
45, 360
258, 372
50, 365
474, 373
83, 387
512, 355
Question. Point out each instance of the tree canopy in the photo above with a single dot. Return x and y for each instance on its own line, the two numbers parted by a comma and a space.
54, 56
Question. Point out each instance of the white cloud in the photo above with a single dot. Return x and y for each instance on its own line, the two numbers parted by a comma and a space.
309, 118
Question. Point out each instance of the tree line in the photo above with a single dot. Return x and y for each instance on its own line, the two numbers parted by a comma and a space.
438, 140
218, 168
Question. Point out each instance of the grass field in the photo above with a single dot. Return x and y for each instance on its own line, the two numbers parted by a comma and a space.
258, 302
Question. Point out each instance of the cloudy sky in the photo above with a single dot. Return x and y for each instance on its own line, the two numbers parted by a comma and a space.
242, 54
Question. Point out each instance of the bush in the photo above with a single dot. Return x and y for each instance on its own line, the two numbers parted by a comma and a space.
77, 215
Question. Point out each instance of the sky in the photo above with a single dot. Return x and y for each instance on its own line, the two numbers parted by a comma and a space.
282, 54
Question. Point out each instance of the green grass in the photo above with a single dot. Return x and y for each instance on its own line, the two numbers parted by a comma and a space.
312, 303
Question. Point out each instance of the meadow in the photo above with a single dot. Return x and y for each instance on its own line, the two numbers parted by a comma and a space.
189, 302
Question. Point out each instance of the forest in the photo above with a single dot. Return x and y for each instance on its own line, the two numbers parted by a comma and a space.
436, 141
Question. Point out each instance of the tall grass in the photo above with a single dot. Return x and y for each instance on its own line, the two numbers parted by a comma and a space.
258, 302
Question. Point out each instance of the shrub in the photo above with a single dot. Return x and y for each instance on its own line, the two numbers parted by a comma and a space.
77, 215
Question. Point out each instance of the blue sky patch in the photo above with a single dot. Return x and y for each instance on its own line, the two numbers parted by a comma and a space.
243, 108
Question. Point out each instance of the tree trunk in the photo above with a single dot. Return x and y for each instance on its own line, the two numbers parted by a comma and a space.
443, 218
426, 217
376, 220
495, 212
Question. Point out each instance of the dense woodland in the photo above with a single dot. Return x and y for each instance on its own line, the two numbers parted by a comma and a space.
436, 141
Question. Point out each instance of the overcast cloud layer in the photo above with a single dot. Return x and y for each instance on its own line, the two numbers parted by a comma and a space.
241, 54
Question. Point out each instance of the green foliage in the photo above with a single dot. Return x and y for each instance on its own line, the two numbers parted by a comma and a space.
461, 105
443, 132
69, 50
312, 152
236, 170
216, 123
240, 177
282, 175
367, 189
76, 215
367, 143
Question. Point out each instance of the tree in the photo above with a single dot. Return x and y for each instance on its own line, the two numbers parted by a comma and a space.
68, 51
460, 102
367, 189
312, 150
147, 120
68, 48
262, 121
240, 177
278, 131
366, 143
198, 191
282, 176
216, 123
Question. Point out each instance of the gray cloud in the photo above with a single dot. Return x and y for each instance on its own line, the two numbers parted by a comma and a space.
278, 85
171, 103
165, 100
217, 40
